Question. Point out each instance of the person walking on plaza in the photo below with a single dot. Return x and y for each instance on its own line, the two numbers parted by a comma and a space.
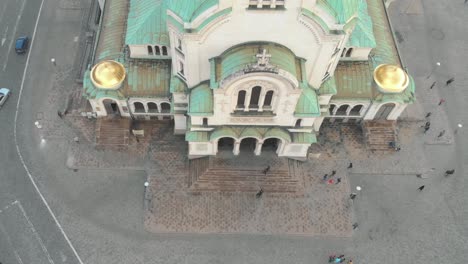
259, 193
433, 84
352, 196
449, 172
338, 180
333, 173
449, 81
441, 134
350, 166
428, 114
421, 187
441, 101
266, 170
325, 177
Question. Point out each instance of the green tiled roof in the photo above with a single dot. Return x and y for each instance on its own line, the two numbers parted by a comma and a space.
177, 85
147, 79
240, 56
343, 11
196, 136
328, 87
188, 10
354, 81
363, 35
385, 50
278, 133
147, 22
111, 34
307, 105
223, 132
201, 100
304, 138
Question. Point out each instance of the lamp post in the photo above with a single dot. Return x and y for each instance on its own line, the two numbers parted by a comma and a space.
432, 70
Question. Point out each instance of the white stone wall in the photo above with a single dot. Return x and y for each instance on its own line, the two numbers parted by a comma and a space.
305, 38
285, 97
100, 109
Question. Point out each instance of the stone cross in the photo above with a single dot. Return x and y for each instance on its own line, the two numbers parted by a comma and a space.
263, 58
222, 104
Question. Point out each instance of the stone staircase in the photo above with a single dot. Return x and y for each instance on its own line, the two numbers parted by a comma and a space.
112, 131
378, 134
205, 178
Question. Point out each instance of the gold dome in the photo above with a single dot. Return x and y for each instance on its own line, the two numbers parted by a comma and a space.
108, 74
390, 78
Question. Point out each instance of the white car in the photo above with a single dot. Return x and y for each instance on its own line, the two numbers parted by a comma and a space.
4, 94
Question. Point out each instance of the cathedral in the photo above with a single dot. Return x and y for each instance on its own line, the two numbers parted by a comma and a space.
254, 73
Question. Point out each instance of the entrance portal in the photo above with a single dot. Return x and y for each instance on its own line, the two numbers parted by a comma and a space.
226, 144
271, 145
111, 107
248, 145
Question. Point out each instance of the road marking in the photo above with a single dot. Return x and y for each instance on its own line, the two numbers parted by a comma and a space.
8, 238
14, 33
18, 149
31, 226
4, 36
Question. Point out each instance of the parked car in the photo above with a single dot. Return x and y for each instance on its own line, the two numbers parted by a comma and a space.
21, 45
4, 94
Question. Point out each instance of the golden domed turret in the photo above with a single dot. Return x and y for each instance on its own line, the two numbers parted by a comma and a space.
390, 78
108, 74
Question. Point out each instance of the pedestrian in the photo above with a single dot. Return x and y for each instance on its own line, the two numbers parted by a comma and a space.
333, 173
441, 134
351, 261
331, 258
342, 260
419, 175
449, 172
392, 144
266, 170
352, 196
428, 124
421, 187
397, 148
441, 101
426, 129
433, 84
259, 193
350, 166
338, 180
59, 115
355, 225
449, 81
325, 177
331, 181
428, 114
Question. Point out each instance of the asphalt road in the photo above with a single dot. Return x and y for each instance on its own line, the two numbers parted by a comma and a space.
28, 232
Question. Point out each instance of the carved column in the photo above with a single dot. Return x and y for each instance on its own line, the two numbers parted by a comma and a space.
258, 148
236, 148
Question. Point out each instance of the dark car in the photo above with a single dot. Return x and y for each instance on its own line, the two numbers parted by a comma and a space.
21, 45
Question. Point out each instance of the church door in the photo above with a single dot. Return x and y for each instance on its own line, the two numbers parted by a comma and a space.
384, 111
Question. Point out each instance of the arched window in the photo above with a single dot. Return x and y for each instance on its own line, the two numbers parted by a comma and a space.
164, 50
152, 108
150, 50
342, 110
332, 107
205, 121
241, 100
255, 97
268, 99
165, 108
139, 108
157, 50
298, 123
356, 110
349, 52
